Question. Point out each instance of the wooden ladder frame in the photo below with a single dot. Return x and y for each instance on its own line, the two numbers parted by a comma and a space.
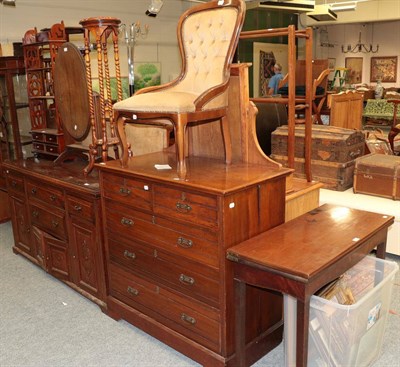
291, 101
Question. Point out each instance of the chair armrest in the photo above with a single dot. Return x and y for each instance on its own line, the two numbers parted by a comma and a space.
209, 94
321, 78
157, 88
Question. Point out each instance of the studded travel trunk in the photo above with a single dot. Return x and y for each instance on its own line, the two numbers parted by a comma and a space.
379, 175
333, 153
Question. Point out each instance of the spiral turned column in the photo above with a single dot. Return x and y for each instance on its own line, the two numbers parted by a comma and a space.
100, 29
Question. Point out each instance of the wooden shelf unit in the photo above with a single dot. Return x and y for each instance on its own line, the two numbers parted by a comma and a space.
40, 51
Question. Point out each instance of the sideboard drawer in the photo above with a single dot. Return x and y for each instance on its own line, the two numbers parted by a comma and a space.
132, 192
80, 208
48, 196
195, 280
188, 317
15, 183
50, 220
187, 206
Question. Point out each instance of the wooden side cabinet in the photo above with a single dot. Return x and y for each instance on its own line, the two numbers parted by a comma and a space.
57, 222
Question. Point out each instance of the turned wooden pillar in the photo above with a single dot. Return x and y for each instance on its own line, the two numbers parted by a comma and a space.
98, 30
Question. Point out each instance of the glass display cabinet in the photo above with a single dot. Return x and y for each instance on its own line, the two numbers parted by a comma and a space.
14, 110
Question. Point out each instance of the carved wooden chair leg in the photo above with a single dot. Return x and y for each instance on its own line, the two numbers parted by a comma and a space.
180, 131
227, 139
120, 123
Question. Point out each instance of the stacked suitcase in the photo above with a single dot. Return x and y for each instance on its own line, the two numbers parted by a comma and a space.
334, 151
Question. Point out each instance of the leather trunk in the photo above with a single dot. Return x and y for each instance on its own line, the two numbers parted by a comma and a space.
334, 175
329, 143
333, 153
379, 175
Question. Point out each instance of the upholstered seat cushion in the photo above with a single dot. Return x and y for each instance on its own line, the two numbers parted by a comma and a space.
168, 101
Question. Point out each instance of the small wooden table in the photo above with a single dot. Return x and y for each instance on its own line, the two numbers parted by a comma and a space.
299, 257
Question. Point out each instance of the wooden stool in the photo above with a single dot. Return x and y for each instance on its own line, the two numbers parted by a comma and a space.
299, 257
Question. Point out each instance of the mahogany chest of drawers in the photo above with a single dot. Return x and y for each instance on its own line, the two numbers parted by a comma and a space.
166, 240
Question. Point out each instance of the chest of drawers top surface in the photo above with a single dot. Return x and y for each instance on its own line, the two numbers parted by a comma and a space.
206, 174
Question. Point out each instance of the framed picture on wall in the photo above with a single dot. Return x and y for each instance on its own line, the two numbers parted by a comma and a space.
384, 69
331, 63
354, 74
265, 55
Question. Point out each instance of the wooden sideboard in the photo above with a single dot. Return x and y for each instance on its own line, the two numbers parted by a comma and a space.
56, 217
166, 240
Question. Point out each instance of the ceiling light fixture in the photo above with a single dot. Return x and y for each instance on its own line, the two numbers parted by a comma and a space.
8, 2
344, 6
322, 13
360, 47
154, 7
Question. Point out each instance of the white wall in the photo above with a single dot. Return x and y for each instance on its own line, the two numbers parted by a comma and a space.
159, 46
385, 34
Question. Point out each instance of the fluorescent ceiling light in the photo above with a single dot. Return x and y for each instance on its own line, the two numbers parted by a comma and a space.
8, 2
344, 6
295, 6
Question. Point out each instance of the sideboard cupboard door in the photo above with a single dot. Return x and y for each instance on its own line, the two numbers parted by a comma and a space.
39, 243
21, 226
56, 257
86, 257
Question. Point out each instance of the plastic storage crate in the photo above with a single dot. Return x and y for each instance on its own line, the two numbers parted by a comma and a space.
352, 335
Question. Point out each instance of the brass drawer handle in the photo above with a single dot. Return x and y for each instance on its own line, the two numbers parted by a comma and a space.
53, 197
188, 319
124, 191
132, 291
185, 243
34, 191
35, 214
183, 208
127, 222
186, 279
355, 154
77, 208
54, 223
129, 255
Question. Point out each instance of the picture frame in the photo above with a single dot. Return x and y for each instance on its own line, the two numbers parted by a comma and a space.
264, 54
384, 69
331, 63
355, 66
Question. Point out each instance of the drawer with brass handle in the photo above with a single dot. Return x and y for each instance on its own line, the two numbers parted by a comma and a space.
51, 220
15, 183
186, 206
79, 207
129, 191
193, 279
189, 317
50, 196
196, 243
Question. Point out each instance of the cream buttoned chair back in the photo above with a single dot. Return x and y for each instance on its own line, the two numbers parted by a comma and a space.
207, 35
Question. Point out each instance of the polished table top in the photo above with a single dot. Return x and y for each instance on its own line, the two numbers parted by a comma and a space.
310, 243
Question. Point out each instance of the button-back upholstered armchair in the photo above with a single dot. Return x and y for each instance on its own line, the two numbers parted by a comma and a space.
207, 38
